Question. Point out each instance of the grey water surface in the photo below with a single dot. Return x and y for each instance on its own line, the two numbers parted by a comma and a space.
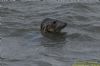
21, 42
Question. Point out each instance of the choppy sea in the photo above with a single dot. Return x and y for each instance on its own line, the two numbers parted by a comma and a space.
21, 42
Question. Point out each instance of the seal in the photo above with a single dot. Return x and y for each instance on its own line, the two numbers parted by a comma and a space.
50, 25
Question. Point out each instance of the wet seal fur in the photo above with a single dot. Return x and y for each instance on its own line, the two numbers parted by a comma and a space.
52, 27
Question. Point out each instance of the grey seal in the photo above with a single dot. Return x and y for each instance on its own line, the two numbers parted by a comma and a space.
50, 25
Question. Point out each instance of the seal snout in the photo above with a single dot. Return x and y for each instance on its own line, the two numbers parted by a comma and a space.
61, 25
64, 25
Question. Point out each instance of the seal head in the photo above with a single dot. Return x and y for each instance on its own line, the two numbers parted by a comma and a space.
52, 25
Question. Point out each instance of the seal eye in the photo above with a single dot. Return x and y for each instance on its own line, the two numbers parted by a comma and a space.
54, 22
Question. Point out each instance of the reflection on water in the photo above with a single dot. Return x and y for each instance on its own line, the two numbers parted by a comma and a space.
22, 44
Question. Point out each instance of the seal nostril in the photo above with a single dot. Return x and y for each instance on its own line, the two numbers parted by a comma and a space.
64, 25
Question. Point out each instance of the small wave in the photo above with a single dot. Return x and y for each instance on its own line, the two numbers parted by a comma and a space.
93, 29
7, 0
10, 60
8, 11
80, 37
81, 6
0, 6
